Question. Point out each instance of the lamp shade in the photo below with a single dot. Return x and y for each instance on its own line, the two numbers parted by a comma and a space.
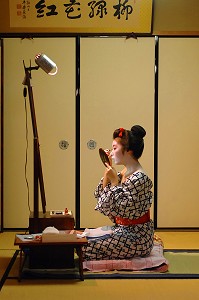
46, 64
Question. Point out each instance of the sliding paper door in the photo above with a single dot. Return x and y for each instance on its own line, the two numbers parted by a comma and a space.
54, 98
178, 140
117, 90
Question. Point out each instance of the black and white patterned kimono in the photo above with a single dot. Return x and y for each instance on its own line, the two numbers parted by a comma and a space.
131, 199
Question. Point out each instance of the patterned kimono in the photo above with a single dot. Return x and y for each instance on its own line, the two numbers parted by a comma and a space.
131, 199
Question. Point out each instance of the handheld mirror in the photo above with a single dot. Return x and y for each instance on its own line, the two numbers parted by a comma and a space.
104, 156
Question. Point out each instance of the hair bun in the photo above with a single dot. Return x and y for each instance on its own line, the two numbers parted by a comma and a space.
138, 131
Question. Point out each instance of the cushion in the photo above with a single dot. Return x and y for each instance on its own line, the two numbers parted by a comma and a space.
154, 262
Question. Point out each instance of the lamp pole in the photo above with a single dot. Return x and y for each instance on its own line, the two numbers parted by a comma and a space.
38, 174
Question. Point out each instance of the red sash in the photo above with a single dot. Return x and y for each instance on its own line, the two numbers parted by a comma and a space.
127, 222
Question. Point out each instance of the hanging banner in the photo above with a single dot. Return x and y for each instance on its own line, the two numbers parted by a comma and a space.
110, 16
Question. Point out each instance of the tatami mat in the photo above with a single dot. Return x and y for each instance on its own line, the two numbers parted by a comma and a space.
98, 289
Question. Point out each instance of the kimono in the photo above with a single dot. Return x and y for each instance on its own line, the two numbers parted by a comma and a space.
130, 200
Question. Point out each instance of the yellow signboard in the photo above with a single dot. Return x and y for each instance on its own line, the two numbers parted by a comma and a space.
109, 16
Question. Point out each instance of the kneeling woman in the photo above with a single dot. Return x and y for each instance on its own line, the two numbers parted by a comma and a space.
126, 198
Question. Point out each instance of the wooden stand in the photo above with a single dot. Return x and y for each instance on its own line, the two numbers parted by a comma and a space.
63, 222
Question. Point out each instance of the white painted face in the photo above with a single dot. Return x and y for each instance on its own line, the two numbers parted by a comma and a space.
116, 153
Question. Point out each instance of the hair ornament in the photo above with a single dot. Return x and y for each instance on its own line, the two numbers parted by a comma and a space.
121, 130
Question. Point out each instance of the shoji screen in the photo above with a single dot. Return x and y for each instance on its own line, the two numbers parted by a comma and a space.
54, 98
178, 140
117, 90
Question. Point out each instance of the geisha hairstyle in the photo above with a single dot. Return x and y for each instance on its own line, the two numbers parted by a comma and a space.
131, 140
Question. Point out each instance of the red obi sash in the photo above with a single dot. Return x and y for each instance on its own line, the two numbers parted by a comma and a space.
127, 222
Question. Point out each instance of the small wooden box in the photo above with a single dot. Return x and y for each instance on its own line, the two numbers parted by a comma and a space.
60, 222
51, 257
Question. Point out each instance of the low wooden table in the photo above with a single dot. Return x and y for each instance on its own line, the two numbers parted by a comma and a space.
51, 255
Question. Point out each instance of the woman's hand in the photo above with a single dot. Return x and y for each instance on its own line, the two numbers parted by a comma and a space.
111, 175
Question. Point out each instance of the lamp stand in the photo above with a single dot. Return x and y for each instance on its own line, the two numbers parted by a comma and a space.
38, 221
38, 174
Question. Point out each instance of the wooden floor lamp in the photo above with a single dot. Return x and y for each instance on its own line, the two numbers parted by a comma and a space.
47, 65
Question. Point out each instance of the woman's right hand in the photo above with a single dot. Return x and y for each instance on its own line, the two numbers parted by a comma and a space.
106, 179
111, 175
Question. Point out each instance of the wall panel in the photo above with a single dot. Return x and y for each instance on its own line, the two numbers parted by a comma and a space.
117, 90
178, 140
54, 99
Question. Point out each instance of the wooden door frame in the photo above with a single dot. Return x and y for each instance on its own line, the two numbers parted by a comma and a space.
2, 130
